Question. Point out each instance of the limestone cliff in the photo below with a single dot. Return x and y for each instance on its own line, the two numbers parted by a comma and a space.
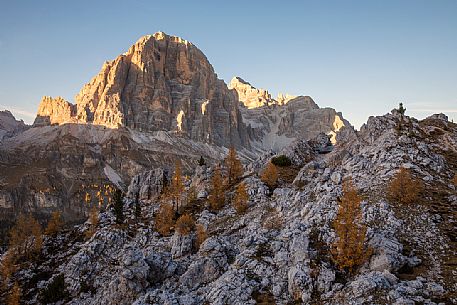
161, 83
275, 123
248, 95
54, 111
9, 126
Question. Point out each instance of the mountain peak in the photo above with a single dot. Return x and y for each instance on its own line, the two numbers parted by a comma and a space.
248, 95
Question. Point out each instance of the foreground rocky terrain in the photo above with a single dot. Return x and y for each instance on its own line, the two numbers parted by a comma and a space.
158, 102
278, 252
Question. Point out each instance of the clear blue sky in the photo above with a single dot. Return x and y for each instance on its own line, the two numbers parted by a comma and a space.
359, 57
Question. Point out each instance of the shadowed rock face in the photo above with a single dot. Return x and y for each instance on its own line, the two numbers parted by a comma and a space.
161, 83
9, 126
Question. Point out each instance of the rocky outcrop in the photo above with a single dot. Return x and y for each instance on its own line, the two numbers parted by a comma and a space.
148, 185
280, 249
165, 83
9, 126
54, 111
274, 127
162, 83
249, 96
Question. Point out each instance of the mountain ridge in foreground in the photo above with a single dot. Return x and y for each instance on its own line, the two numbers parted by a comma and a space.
267, 235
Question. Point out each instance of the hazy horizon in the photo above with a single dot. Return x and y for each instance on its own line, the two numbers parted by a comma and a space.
361, 59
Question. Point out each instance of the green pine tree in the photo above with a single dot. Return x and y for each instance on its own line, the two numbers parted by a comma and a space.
402, 110
118, 206
137, 207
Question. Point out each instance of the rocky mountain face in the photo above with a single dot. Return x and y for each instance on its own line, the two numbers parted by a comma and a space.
250, 96
158, 102
278, 252
275, 123
9, 126
161, 83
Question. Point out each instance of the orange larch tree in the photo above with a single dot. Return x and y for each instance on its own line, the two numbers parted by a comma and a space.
270, 175
240, 202
177, 185
164, 219
234, 166
55, 224
202, 235
403, 188
14, 297
217, 193
93, 219
349, 250
25, 236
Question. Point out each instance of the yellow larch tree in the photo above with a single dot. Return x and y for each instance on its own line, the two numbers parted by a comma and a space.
93, 219
240, 202
191, 196
403, 188
217, 193
14, 297
164, 219
8, 265
349, 250
202, 235
25, 236
234, 166
177, 185
55, 224
87, 198
270, 175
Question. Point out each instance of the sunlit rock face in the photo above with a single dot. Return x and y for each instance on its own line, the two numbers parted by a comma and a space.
250, 96
161, 83
165, 83
158, 102
54, 111
275, 123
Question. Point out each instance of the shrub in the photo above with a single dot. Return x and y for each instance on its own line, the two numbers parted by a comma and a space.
202, 235
403, 188
185, 224
349, 250
240, 202
455, 180
281, 161
270, 175
55, 291
164, 219
272, 219
55, 224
